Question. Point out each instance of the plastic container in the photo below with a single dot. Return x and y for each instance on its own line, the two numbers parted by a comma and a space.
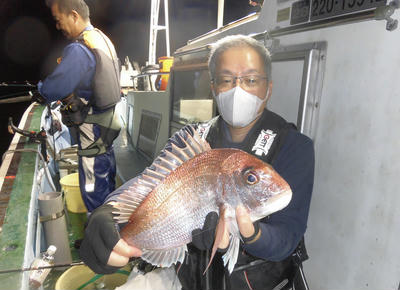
37, 277
81, 277
73, 197
54, 224
165, 66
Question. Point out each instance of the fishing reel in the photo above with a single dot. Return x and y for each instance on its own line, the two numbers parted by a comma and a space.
35, 137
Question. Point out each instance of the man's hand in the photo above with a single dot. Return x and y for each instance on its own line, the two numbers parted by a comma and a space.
246, 226
102, 249
121, 253
203, 239
37, 97
250, 232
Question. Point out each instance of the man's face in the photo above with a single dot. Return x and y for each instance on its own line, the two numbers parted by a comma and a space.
240, 62
64, 22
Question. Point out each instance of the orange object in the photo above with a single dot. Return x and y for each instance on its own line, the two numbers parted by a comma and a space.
165, 66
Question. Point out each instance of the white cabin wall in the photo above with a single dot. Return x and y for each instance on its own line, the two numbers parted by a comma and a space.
153, 101
354, 224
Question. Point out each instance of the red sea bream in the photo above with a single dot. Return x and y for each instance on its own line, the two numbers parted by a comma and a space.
172, 197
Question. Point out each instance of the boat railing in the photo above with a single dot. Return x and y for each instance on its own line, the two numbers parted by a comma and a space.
149, 81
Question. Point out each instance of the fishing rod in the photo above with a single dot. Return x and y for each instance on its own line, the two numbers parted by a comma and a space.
18, 97
40, 268
18, 85
8, 96
32, 95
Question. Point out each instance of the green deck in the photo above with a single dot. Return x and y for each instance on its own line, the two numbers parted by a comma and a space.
15, 196
17, 192
14, 228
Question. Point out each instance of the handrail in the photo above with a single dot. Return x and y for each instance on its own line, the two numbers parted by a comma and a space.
149, 73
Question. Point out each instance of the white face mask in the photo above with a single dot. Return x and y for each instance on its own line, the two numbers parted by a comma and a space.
237, 107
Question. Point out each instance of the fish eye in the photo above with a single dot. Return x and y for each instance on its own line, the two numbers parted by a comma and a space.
251, 177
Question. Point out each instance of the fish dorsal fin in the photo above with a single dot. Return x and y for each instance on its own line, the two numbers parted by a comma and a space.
133, 193
182, 146
165, 257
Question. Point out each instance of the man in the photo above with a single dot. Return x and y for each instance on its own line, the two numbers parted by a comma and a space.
240, 70
86, 80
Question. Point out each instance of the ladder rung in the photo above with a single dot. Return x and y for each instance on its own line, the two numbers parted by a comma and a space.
160, 27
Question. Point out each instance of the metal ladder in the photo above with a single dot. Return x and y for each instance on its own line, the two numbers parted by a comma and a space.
154, 28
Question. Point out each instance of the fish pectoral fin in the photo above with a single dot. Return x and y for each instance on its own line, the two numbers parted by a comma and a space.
231, 255
220, 231
164, 257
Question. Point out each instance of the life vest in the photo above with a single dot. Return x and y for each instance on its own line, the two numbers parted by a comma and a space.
106, 94
105, 84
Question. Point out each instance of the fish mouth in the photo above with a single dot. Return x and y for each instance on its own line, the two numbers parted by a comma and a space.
281, 199
276, 202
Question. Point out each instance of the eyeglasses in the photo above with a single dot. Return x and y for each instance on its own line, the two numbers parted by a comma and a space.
247, 82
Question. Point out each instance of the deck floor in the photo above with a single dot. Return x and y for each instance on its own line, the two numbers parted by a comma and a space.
130, 162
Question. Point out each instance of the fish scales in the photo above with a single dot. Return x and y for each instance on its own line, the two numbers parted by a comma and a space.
173, 196
179, 204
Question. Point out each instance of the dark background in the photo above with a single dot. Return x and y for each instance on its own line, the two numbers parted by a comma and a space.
30, 44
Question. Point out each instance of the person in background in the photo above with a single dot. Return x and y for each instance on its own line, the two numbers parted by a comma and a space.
86, 80
257, 4
240, 70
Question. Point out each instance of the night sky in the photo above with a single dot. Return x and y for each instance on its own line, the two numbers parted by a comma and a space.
30, 44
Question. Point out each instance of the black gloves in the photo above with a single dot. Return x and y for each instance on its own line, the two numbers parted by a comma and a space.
254, 237
203, 239
74, 111
37, 97
101, 235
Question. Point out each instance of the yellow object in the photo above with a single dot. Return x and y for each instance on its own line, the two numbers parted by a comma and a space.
165, 66
81, 277
72, 193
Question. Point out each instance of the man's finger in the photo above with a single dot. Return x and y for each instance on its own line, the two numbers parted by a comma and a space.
117, 260
246, 226
123, 249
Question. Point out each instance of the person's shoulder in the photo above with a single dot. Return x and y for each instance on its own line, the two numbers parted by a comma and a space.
296, 141
296, 138
76, 47
78, 51
297, 151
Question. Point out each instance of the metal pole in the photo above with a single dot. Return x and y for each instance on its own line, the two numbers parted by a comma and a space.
220, 19
166, 26
153, 30
39, 268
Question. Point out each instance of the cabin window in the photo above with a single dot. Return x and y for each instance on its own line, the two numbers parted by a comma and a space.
297, 74
192, 98
235, 10
287, 79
